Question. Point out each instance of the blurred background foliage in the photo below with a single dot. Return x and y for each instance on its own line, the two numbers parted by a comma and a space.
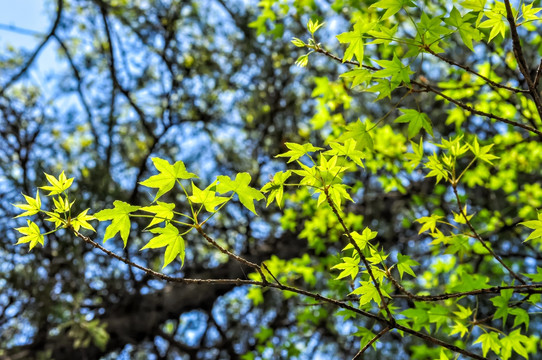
213, 83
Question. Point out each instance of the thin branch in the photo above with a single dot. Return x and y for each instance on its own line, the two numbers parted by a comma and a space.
362, 257
537, 76
20, 30
315, 296
520, 57
14, 78
468, 69
482, 241
359, 355
475, 111
230, 254
427, 87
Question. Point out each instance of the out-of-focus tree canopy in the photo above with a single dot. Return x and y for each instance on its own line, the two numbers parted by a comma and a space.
402, 209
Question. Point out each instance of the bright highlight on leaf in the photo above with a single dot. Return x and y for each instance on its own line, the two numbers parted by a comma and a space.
168, 236
162, 211
207, 197
246, 194
120, 216
169, 174
276, 188
58, 186
32, 206
81, 221
31, 234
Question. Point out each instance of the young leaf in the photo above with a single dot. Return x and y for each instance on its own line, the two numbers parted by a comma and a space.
297, 151
404, 262
368, 292
207, 197
395, 70
392, 6
349, 267
246, 194
312, 26
348, 150
168, 236
81, 221
120, 216
535, 225
162, 211
32, 206
32, 235
58, 186
167, 177
355, 39
489, 341
462, 24
276, 186
416, 120
361, 239
496, 22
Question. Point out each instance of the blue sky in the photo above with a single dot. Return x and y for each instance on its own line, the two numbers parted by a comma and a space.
29, 15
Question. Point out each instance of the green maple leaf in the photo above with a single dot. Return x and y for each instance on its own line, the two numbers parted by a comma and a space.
81, 221
489, 341
475, 5
246, 194
416, 121
355, 39
437, 168
349, 267
207, 197
358, 76
501, 303
32, 235
58, 186
395, 70
298, 150
169, 174
32, 206
496, 22
516, 341
276, 188
529, 13
162, 211
120, 216
535, 225
348, 149
536, 277
368, 292
361, 239
168, 236
465, 28
392, 6
358, 131
416, 157
429, 222
404, 262
482, 153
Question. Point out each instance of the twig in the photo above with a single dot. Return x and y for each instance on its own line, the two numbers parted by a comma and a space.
482, 241
520, 57
537, 76
315, 296
230, 254
427, 87
14, 78
362, 257
468, 69
475, 111
359, 355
